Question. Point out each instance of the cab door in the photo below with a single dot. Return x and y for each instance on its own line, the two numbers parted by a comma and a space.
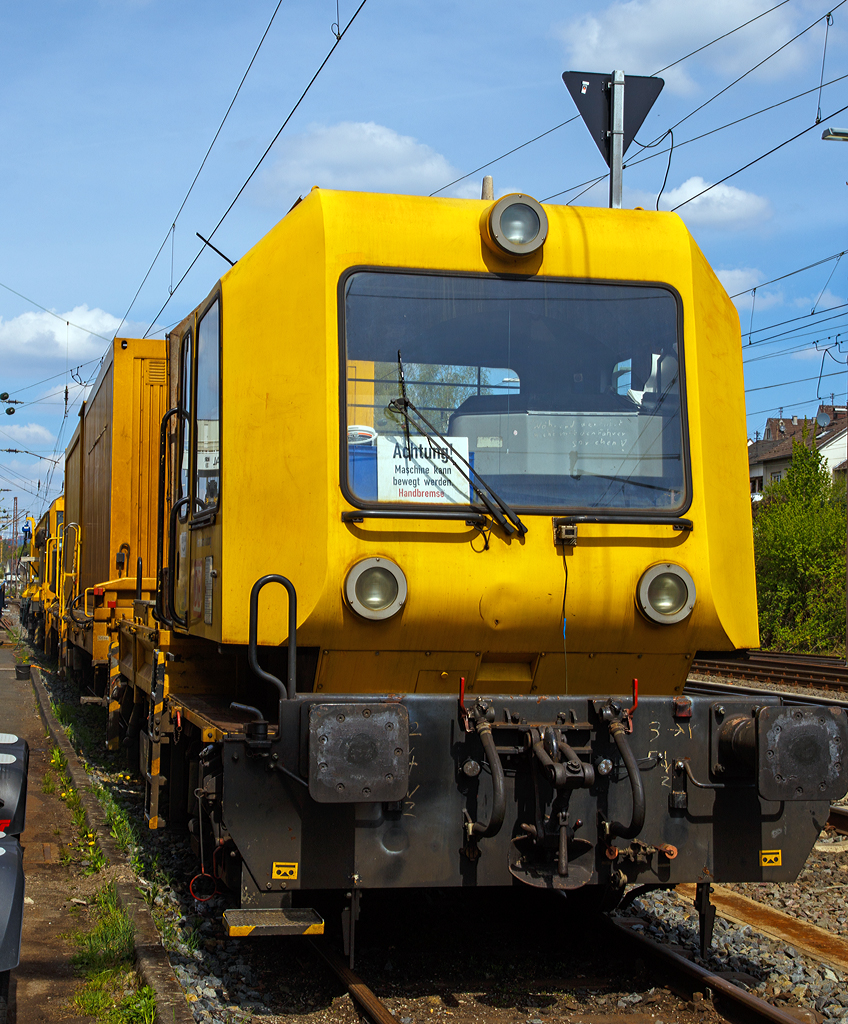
204, 537
180, 506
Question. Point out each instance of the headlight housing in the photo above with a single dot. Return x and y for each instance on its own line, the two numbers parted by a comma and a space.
516, 225
375, 588
666, 593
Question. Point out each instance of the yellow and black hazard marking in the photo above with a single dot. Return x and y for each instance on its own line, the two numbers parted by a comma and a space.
113, 725
244, 921
770, 858
280, 869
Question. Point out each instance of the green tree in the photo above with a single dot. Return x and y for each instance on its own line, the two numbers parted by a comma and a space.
799, 549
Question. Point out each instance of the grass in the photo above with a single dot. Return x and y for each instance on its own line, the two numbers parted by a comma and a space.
85, 728
110, 992
123, 830
88, 851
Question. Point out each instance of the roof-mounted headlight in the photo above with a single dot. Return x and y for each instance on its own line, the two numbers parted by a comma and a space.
375, 588
666, 593
516, 225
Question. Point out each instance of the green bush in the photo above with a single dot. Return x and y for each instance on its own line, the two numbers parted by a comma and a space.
799, 548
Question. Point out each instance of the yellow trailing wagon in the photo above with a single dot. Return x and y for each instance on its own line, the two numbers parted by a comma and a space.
110, 501
40, 603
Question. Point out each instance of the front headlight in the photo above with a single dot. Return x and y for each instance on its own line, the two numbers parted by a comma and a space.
375, 588
666, 593
516, 225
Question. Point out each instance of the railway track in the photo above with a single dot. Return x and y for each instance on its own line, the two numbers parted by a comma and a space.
793, 696
362, 995
685, 973
789, 669
838, 818
685, 977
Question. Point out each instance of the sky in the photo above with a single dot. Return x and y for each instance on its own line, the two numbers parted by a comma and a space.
108, 108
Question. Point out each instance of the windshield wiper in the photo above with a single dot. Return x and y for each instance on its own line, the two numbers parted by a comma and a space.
497, 508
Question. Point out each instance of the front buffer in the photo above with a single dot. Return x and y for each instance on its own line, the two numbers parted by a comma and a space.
555, 792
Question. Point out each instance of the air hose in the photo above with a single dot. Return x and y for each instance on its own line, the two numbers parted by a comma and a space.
496, 819
637, 819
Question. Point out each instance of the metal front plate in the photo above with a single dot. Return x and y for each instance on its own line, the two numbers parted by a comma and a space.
802, 753
358, 753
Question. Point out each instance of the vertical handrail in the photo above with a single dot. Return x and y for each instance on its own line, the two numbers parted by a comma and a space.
48, 565
287, 691
158, 608
74, 573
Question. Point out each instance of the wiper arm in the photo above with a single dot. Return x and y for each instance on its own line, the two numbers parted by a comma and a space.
497, 508
402, 382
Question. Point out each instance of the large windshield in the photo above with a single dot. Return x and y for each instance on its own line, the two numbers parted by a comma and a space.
560, 394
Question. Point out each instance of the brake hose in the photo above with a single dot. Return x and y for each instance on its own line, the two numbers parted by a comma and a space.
496, 819
637, 820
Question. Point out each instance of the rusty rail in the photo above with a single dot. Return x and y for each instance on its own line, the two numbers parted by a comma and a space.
719, 985
725, 690
792, 669
838, 818
359, 991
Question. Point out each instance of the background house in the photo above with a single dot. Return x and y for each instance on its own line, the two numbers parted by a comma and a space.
769, 458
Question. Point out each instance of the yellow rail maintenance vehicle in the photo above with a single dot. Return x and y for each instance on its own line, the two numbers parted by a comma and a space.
40, 601
450, 493
110, 503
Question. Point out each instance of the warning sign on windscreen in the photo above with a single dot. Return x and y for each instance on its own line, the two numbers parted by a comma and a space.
419, 470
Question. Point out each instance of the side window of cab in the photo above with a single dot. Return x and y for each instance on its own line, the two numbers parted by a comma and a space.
207, 432
185, 402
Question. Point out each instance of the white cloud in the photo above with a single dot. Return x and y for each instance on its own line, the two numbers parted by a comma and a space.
724, 206
811, 354
358, 156
43, 337
820, 301
642, 36
30, 434
739, 281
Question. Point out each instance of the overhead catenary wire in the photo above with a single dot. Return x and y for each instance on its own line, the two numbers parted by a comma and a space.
172, 230
503, 156
46, 380
759, 64
261, 160
804, 346
590, 183
791, 405
751, 163
827, 282
718, 39
728, 124
789, 383
64, 319
792, 320
737, 121
679, 60
828, 21
791, 273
